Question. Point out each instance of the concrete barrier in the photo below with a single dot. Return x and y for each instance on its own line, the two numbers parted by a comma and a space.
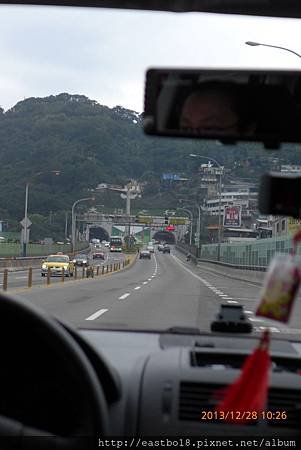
254, 276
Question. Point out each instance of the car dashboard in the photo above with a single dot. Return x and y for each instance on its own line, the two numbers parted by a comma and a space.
168, 382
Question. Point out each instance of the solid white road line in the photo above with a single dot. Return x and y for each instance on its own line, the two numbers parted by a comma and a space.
209, 286
97, 314
137, 287
124, 296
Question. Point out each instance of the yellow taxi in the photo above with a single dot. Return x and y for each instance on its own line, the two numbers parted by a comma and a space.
57, 263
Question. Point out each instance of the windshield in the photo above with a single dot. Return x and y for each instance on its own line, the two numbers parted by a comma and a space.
59, 259
75, 159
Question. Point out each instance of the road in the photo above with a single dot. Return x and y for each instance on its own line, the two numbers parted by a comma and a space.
155, 294
19, 279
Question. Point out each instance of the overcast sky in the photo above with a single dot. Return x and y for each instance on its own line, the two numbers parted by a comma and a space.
103, 54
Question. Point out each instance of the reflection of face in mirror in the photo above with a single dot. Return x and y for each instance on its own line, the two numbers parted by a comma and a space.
214, 108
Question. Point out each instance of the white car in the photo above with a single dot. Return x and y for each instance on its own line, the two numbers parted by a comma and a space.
150, 248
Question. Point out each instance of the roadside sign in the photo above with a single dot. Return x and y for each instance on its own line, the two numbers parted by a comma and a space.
25, 223
232, 216
170, 228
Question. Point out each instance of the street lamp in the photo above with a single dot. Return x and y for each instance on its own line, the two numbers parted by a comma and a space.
128, 193
25, 221
193, 155
256, 44
191, 222
198, 227
73, 224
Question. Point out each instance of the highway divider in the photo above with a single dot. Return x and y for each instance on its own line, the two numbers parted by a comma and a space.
89, 272
235, 273
248, 273
15, 263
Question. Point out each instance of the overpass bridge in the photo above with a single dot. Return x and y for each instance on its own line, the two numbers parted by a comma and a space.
97, 225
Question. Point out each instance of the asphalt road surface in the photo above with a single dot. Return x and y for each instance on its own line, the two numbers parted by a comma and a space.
155, 294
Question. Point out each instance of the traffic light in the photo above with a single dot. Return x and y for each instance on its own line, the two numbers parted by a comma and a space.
166, 220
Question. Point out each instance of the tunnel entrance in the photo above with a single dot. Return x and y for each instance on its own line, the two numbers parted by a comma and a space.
98, 233
165, 236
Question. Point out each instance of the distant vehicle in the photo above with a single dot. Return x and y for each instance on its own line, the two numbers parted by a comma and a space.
95, 241
106, 243
166, 249
98, 255
56, 264
97, 245
116, 244
150, 248
145, 254
81, 260
160, 247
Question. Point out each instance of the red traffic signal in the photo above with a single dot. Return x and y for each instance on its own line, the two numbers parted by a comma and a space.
170, 228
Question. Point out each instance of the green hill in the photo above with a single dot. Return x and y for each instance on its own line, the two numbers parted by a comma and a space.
91, 144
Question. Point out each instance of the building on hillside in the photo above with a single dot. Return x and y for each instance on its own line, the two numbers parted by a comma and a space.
290, 169
210, 178
244, 195
272, 226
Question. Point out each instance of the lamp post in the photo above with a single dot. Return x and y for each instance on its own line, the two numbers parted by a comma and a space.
191, 222
73, 224
128, 192
256, 44
193, 155
25, 220
199, 224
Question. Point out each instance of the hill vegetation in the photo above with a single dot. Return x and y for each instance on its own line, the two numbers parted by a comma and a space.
90, 144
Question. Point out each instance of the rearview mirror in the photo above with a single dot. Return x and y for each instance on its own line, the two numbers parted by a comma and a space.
279, 195
229, 106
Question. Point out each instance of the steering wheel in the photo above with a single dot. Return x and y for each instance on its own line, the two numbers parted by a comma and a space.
93, 417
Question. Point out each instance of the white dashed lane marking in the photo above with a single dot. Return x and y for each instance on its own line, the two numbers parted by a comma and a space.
124, 296
145, 282
231, 300
97, 314
137, 287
